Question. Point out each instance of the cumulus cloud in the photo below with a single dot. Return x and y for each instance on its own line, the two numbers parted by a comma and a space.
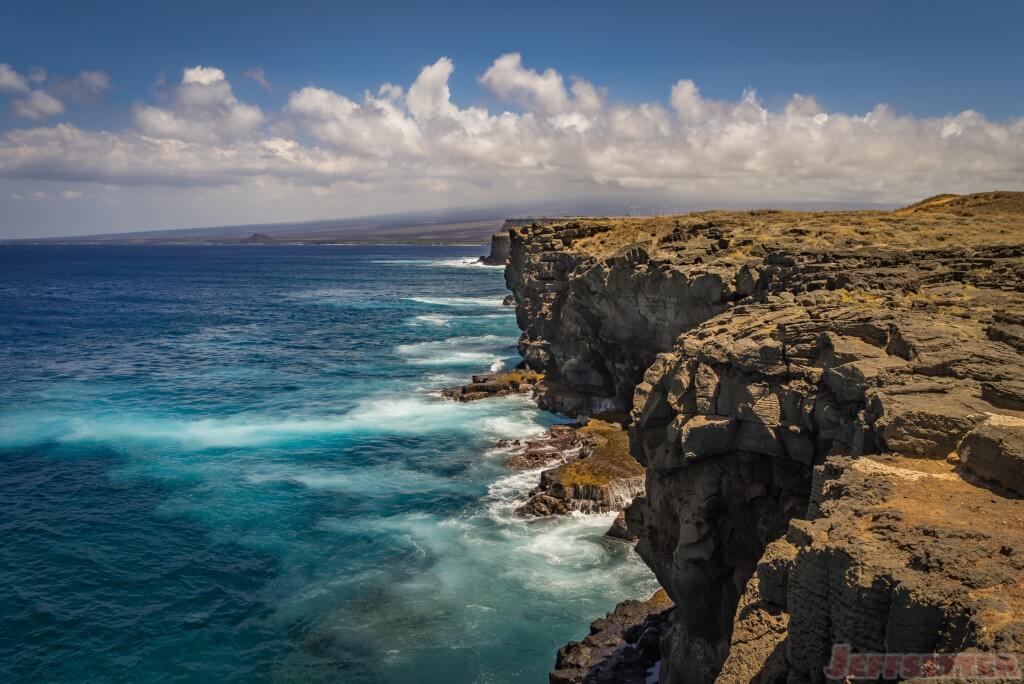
11, 80
538, 91
412, 142
203, 109
429, 96
38, 105
202, 75
544, 93
376, 128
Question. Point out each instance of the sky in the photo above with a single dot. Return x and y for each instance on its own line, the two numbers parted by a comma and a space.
125, 116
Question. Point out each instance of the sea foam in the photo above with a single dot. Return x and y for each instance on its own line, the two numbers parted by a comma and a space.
458, 301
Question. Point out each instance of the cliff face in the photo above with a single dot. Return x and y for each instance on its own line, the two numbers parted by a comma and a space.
829, 409
498, 256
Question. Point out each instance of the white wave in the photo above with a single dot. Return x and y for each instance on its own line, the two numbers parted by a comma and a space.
480, 351
508, 493
458, 358
458, 301
400, 415
445, 379
434, 319
451, 342
465, 263
563, 542
372, 481
511, 426
460, 262
497, 366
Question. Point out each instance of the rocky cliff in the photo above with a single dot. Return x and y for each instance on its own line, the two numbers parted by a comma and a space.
498, 255
830, 410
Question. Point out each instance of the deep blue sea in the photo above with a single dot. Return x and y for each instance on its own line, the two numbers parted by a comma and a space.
230, 464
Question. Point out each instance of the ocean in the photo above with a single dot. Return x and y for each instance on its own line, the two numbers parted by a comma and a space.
232, 464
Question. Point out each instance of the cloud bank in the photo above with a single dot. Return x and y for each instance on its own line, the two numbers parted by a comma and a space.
550, 136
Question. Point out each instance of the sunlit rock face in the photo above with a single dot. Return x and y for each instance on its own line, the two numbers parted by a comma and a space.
824, 404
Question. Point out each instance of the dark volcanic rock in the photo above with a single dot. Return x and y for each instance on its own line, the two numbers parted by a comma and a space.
620, 529
830, 413
499, 250
622, 648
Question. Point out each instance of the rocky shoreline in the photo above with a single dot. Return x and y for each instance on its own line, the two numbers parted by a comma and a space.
587, 465
825, 410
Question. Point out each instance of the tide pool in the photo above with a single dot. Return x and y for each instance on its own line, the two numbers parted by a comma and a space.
231, 464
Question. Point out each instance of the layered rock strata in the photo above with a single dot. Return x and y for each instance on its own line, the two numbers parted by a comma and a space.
829, 410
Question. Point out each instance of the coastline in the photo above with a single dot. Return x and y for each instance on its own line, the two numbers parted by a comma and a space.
788, 376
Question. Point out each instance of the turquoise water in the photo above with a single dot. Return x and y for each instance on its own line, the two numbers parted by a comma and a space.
230, 464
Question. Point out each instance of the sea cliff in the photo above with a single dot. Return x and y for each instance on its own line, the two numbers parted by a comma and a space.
830, 410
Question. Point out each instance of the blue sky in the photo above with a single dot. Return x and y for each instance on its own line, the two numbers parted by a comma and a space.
924, 60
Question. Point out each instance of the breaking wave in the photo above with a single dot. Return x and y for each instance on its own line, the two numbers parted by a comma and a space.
472, 302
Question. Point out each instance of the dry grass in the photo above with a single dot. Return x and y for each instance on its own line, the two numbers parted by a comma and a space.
943, 220
610, 459
518, 377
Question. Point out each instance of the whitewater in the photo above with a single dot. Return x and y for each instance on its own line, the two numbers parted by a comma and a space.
232, 463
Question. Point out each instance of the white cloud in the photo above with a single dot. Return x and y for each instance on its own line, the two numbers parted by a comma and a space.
508, 79
687, 102
375, 128
96, 81
67, 153
202, 75
405, 147
11, 80
38, 105
257, 75
72, 194
203, 109
86, 86
37, 74
429, 96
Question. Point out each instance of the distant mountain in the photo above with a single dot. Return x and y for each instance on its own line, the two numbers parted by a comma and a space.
448, 225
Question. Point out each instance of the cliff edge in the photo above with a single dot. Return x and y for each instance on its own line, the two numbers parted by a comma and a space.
830, 410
